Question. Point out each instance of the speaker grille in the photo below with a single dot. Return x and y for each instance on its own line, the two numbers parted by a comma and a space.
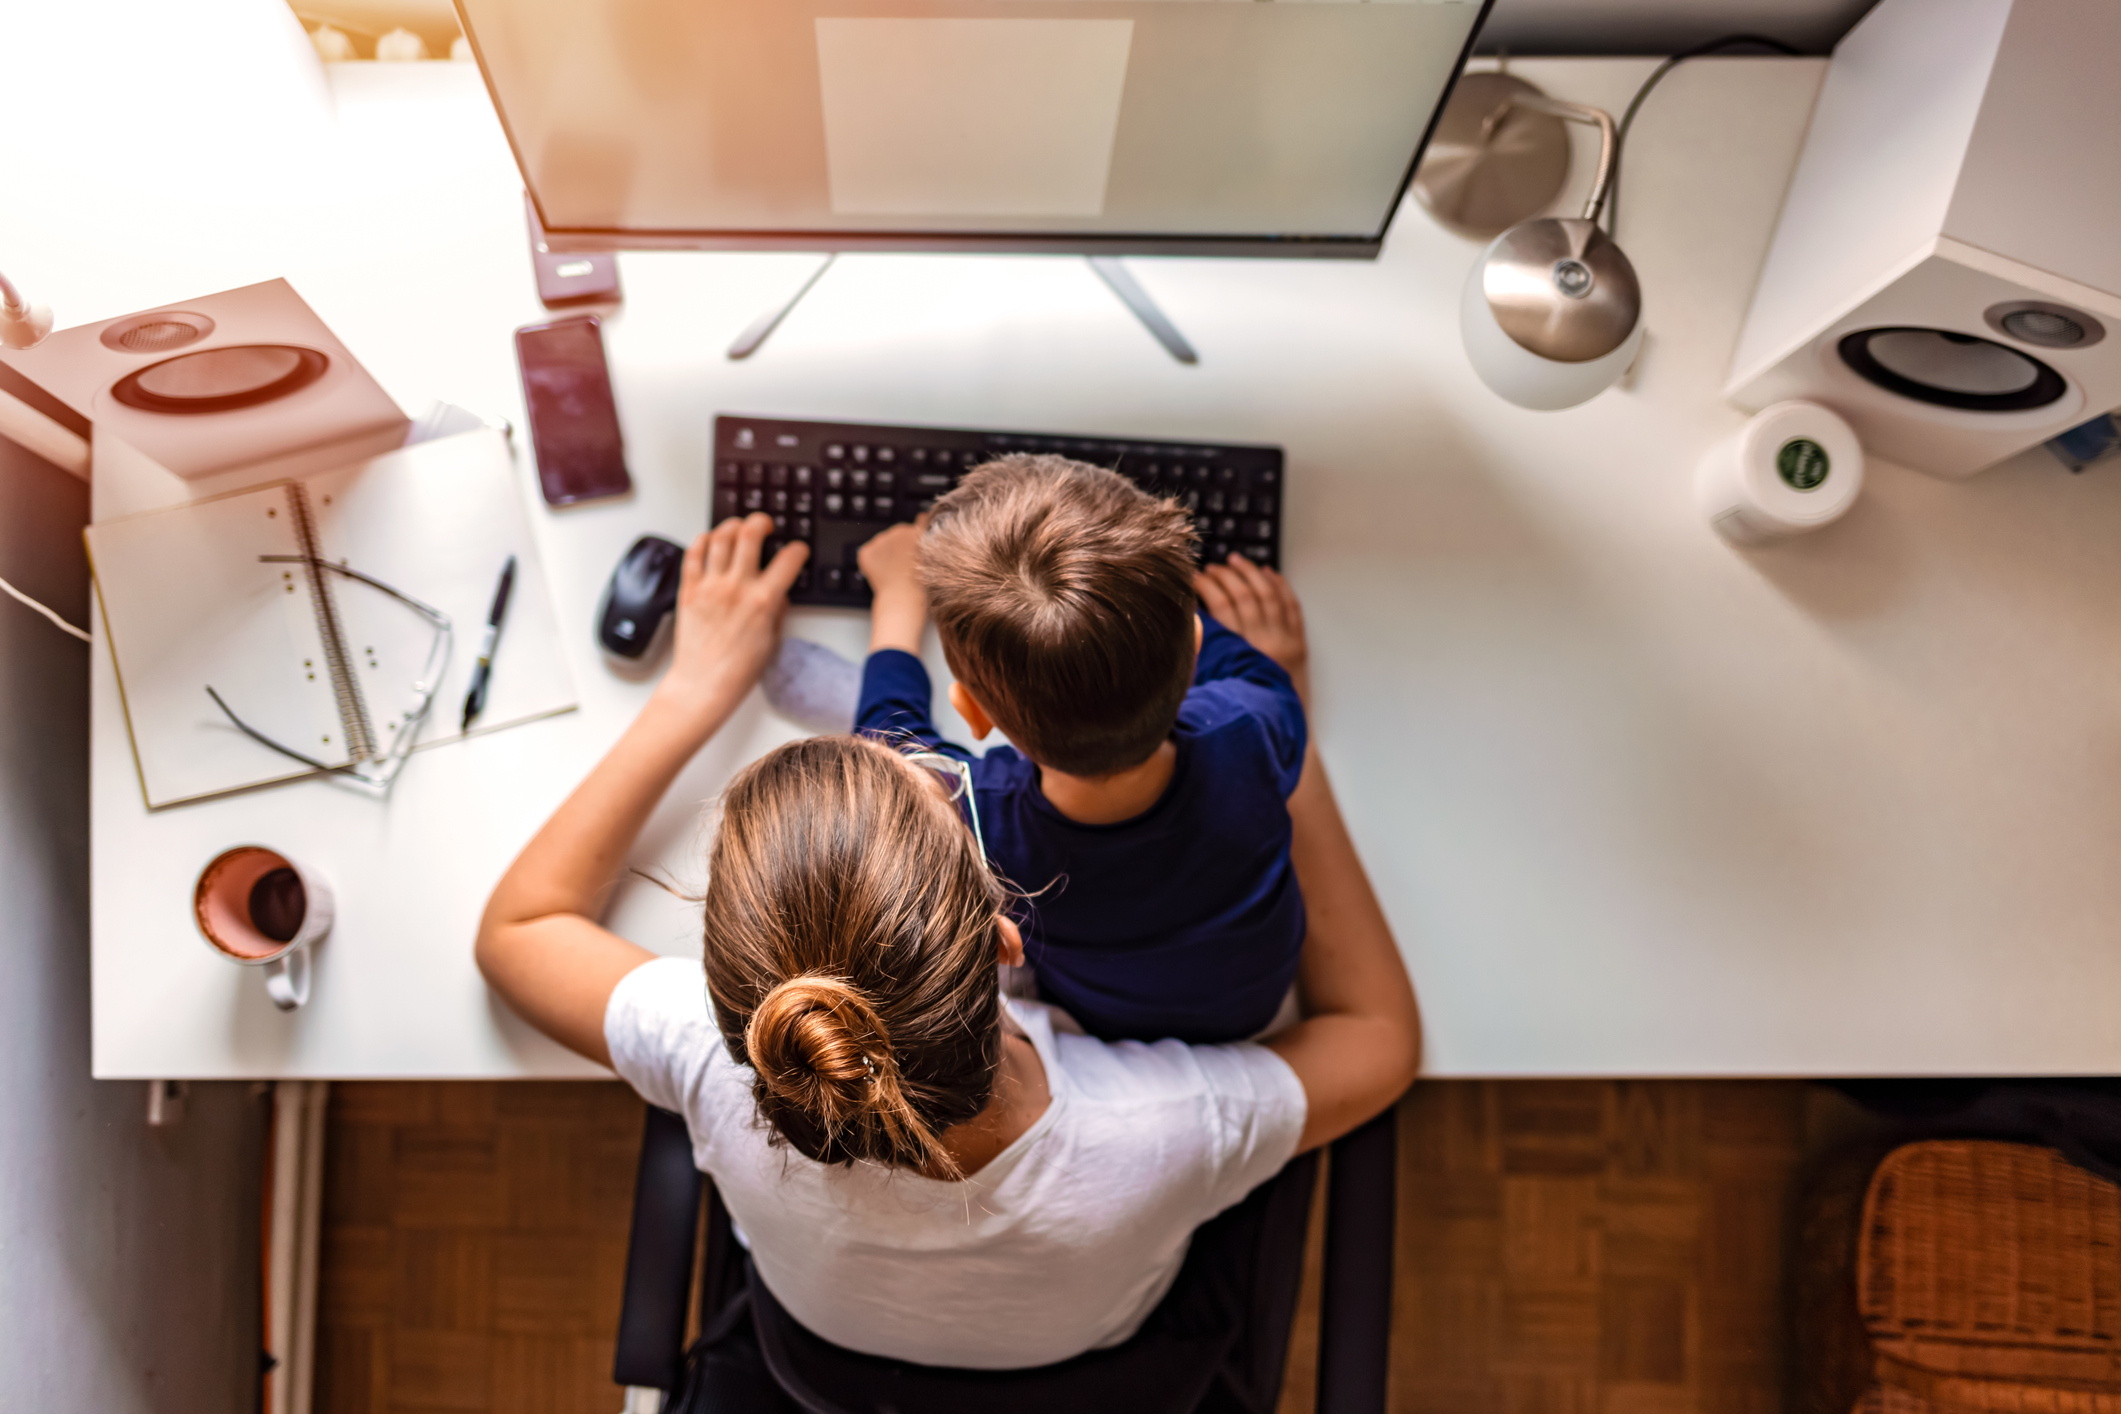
157, 337
163, 331
2044, 325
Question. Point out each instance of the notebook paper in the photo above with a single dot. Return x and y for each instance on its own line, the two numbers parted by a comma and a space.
187, 603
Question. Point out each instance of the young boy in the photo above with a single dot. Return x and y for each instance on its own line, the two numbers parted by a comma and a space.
1143, 805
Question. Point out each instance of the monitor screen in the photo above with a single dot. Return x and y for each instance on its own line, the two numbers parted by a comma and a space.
1212, 126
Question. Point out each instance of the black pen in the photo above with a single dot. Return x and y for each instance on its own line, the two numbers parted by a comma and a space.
475, 701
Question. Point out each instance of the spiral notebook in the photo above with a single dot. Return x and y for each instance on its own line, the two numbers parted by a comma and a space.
225, 593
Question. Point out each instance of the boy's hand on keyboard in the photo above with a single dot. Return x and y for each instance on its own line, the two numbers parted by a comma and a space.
891, 562
1259, 606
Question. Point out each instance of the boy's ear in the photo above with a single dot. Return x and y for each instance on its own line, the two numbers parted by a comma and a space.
1012, 948
968, 707
1200, 633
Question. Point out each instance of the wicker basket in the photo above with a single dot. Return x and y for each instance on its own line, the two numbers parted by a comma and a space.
1988, 1278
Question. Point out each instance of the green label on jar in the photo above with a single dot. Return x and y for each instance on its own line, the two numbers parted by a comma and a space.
1802, 463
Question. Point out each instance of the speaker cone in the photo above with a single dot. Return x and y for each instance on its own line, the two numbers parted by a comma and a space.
221, 380
1951, 370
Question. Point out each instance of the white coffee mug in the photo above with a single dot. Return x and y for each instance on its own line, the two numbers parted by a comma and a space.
256, 907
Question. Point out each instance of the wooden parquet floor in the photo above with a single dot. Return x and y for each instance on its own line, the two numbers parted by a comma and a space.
1577, 1247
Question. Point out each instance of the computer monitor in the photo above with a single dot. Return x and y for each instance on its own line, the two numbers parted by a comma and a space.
1090, 127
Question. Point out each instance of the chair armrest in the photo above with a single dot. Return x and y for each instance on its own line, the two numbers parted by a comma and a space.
659, 1253
1355, 1309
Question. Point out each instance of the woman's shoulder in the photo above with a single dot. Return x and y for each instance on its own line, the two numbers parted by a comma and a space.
662, 1034
1138, 1074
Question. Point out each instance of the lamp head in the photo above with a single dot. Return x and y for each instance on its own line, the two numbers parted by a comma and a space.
1552, 313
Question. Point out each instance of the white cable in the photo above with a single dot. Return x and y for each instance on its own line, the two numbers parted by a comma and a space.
62, 623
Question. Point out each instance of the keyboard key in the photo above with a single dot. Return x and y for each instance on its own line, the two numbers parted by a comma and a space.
1226, 476
725, 503
802, 579
1226, 526
802, 477
835, 580
885, 480
834, 478
1268, 476
858, 479
858, 506
835, 452
859, 452
931, 481
1201, 475
802, 527
1215, 502
777, 476
754, 474
883, 505
729, 473
780, 525
1260, 529
754, 500
1241, 503
1259, 554
778, 500
834, 503
1266, 505
918, 456
1220, 555
886, 455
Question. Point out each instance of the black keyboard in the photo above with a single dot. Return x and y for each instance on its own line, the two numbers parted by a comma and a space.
833, 485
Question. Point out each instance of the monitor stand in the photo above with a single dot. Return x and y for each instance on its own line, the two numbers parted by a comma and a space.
1110, 268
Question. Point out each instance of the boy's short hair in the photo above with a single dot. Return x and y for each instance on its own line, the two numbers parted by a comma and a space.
1064, 598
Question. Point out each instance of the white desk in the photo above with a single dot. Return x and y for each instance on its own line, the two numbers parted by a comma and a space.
1637, 802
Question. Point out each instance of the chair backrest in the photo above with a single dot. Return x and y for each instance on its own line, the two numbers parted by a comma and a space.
1217, 1341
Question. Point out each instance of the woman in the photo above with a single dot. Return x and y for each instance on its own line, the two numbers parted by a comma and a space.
922, 1171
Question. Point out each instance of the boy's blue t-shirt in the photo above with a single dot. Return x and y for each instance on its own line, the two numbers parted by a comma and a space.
1184, 921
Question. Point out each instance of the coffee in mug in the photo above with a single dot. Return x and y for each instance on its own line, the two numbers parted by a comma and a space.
258, 908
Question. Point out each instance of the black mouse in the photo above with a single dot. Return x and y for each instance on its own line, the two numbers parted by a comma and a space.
642, 593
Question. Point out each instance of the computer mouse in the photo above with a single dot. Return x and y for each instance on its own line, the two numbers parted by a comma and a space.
641, 595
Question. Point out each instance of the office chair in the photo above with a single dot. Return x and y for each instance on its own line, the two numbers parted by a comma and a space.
1215, 1345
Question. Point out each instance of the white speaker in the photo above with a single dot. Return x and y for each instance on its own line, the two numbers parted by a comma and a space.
1946, 271
248, 379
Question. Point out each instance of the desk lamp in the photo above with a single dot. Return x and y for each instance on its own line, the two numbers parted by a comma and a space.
22, 325
1551, 314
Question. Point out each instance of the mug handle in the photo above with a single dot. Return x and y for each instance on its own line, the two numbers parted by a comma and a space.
287, 979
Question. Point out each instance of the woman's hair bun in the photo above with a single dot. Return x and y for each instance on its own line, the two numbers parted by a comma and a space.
815, 1043
826, 1072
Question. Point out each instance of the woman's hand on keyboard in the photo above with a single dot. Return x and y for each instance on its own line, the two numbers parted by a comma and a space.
728, 618
1258, 605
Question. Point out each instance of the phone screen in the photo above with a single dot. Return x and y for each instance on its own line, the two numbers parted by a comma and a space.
574, 424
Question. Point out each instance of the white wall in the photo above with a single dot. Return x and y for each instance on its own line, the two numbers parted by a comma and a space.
1662, 26
128, 1256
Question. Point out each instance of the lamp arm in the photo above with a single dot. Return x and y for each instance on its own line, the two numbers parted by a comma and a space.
1580, 113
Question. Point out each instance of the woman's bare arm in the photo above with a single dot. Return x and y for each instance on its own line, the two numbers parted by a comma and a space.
539, 943
1359, 1045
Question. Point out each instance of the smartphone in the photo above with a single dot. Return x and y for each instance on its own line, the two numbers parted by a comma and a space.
574, 424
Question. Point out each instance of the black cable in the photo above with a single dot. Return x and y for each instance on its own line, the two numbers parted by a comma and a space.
1627, 119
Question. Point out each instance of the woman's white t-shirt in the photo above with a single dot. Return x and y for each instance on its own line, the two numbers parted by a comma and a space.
1062, 1244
